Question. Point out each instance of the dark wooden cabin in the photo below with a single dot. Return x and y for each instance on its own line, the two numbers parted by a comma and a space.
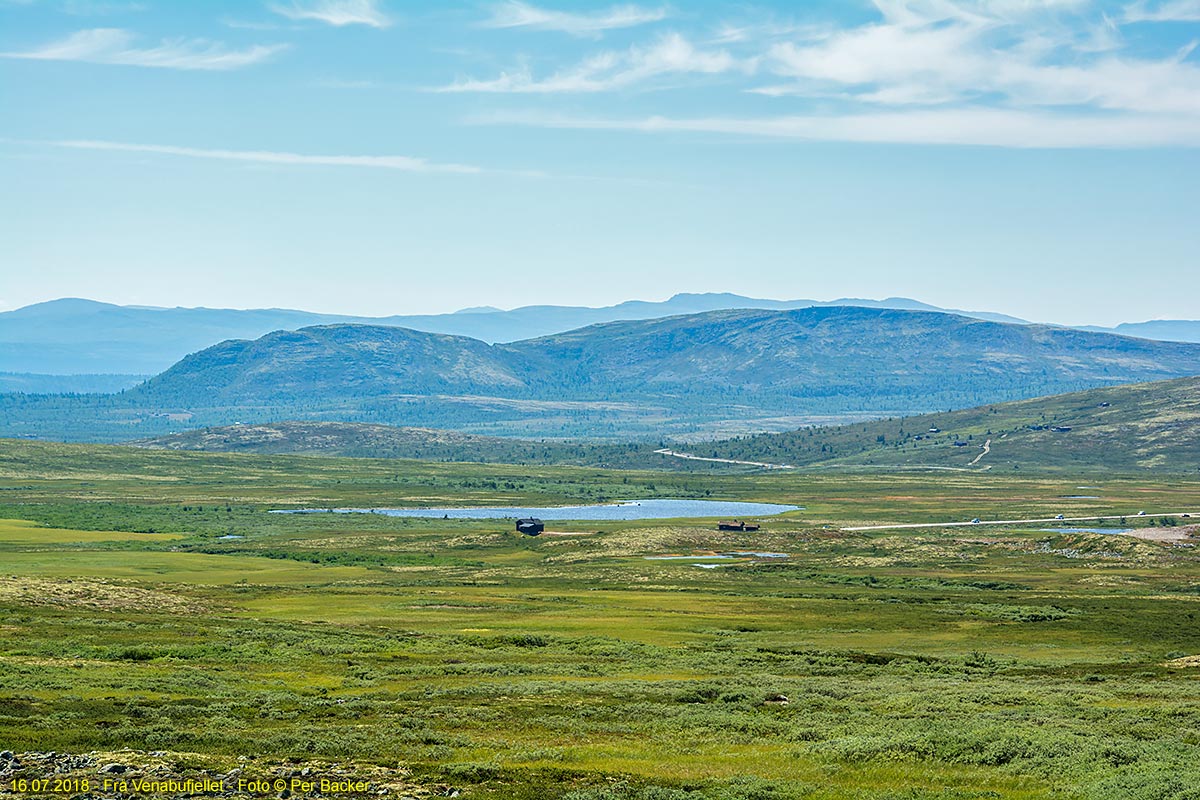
531, 526
736, 525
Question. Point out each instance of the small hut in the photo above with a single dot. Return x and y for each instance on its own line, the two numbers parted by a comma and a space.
531, 526
736, 525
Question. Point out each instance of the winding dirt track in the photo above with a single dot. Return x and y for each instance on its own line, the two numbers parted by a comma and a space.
987, 448
897, 526
666, 451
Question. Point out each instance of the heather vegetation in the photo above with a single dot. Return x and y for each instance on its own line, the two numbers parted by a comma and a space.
1022, 661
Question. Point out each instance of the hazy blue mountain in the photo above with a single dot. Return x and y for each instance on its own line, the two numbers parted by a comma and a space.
74, 336
1175, 330
717, 372
82, 336
333, 363
851, 351
66, 384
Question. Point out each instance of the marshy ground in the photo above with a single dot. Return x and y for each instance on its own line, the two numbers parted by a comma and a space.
458, 655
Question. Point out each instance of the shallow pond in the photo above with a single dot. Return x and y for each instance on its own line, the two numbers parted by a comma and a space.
684, 558
1085, 530
637, 509
698, 559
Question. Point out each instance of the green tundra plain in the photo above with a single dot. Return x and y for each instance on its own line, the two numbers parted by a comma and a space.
979, 661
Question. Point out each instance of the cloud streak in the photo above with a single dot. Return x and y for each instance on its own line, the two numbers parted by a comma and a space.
1169, 11
986, 127
516, 14
950, 56
116, 46
1009, 73
401, 163
670, 55
338, 13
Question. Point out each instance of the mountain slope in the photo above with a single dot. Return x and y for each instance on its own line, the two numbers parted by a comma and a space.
1120, 429
66, 384
365, 441
72, 336
82, 336
332, 363
1145, 426
711, 375
1176, 330
880, 358
853, 352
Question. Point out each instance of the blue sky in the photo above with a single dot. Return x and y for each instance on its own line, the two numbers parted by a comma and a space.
377, 157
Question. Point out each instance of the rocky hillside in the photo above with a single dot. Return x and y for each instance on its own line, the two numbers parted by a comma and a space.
714, 373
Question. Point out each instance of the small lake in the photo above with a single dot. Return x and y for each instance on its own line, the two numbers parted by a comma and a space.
741, 554
1085, 530
684, 558
632, 510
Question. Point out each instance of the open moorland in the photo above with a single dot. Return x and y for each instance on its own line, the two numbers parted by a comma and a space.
157, 620
1139, 428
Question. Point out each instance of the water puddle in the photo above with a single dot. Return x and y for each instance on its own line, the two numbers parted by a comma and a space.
1086, 530
631, 510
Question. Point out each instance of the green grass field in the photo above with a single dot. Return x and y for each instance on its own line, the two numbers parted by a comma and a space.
973, 662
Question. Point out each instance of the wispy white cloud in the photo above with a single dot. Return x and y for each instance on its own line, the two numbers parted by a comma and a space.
1169, 11
1101, 36
116, 46
882, 54
402, 163
1012, 73
909, 12
671, 54
89, 8
991, 127
335, 12
250, 24
738, 33
934, 54
516, 14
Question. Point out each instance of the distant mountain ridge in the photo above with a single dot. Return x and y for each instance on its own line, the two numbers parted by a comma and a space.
66, 384
713, 372
76, 336
73, 336
1172, 330
818, 351
1130, 428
